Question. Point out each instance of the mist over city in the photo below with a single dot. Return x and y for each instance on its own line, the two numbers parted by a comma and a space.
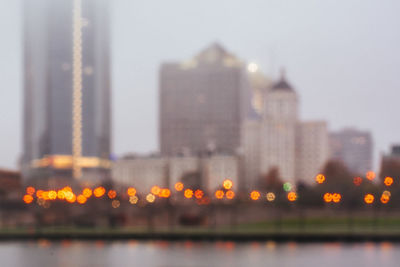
220, 128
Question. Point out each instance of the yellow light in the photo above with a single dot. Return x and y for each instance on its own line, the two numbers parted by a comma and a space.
52, 195
227, 184
150, 198
133, 199
387, 193
270, 196
61, 194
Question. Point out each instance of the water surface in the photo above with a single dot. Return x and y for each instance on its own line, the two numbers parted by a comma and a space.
175, 254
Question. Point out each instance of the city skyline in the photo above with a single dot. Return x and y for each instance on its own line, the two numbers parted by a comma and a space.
317, 80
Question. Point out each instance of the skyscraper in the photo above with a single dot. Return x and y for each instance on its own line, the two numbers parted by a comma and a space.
66, 90
202, 103
278, 130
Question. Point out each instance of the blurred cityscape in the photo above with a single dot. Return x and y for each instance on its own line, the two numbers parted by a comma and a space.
233, 148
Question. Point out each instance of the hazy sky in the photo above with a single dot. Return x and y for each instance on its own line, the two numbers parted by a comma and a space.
342, 57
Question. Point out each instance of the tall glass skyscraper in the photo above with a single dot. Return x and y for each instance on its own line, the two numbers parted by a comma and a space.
66, 90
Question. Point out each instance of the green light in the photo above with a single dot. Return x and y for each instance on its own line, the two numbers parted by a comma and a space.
287, 186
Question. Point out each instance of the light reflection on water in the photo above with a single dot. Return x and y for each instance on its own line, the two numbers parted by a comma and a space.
188, 253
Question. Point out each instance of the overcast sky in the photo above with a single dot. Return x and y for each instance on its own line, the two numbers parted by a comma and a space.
342, 57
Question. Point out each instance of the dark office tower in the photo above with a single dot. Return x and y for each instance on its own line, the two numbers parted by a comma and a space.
66, 90
202, 103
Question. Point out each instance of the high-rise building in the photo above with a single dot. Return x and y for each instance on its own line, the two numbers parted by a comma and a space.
354, 148
202, 103
278, 130
66, 90
312, 149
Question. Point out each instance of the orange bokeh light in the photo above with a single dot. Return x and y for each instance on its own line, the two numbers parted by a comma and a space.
230, 194
39, 193
99, 191
30, 190
227, 184
112, 194
188, 193
155, 190
67, 188
320, 178
219, 194
388, 181
385, 199
179, 186
52, 195
255, 195
336, 197
292, 196
370, 175
369, 198
165, 193
87, 192
81, 199
61, 194
27, 199
328, 197
70, 197
198, 194
131, 191
357, 181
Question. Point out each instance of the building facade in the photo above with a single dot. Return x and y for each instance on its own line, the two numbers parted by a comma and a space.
66, 90
202, 103
145, 172
354, 148
312, 149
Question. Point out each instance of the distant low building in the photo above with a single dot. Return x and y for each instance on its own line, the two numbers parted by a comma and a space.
145, 172
10, 184
354, 148
390, 163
